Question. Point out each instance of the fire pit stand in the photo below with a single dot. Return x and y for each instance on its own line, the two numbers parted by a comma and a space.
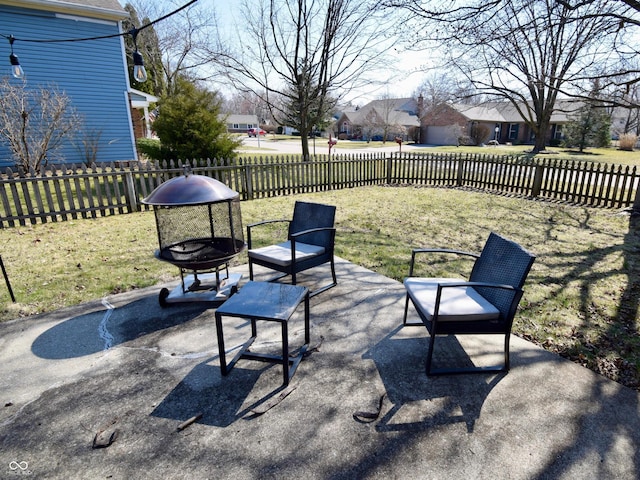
199, 228
214, 287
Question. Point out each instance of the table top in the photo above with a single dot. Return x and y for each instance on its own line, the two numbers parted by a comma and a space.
266, 300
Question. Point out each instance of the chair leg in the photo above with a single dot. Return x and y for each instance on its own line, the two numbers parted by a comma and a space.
432, 342
462, 370
330, 285
406, 312
507, 338
333, 272
250, 269
406, 309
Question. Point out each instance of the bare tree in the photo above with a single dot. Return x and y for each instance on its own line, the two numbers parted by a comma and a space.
525, 51
441, 87
303, 56
629, 122
186, 40
87, 144
34, 122
387, 117
619, 80
369, 125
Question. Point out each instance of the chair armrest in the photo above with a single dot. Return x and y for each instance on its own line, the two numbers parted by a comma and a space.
257, 224
476, 284
418, 251
312, 230
473, 285
294, 236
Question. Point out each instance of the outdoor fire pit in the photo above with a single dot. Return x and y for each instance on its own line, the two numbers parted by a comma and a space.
199, 231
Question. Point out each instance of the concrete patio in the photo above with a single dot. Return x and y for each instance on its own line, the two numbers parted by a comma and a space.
126, 373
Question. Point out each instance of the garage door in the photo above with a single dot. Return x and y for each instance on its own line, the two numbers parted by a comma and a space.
442, 135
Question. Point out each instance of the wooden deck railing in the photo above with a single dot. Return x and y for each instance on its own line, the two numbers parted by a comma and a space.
88, 192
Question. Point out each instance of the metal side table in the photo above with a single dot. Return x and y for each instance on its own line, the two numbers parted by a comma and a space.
272, 302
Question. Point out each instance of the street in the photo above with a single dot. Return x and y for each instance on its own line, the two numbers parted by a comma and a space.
267, 144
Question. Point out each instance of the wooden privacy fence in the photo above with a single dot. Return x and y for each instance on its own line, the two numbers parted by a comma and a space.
100, 190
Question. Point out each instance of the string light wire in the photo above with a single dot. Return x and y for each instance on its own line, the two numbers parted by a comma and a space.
137, 57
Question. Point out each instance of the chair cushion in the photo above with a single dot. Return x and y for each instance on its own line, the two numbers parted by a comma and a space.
280, 254
456, 303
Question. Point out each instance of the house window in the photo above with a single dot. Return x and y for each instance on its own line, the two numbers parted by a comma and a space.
513, 131
236, 126
557, 134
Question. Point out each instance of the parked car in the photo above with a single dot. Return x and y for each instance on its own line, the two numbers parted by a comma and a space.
252, 132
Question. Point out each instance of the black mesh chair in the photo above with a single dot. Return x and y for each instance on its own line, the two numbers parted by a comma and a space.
485, 304
310, 243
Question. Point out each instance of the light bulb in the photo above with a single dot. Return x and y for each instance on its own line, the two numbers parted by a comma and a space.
139, 72
16, 69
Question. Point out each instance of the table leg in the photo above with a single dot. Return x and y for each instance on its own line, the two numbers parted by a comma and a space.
307, 333
285, 352
221, 352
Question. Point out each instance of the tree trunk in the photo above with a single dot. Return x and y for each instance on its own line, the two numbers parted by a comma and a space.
540, 144
542, 130
305, 146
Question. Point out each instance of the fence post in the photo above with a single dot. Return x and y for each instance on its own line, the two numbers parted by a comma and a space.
389, 167
537, 180
130, 192
460, 171
247, 180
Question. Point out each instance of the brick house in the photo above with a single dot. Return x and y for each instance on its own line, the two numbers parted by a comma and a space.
141, 117
446, 124
392, 117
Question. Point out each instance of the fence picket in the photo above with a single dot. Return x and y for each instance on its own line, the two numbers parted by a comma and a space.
17, 203
6, 206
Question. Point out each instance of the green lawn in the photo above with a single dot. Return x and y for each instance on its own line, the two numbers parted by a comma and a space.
581, 299
604, 155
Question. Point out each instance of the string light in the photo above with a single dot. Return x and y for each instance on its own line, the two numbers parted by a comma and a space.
16, 69
139, 72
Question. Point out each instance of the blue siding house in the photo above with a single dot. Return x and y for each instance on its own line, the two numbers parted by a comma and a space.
92, 73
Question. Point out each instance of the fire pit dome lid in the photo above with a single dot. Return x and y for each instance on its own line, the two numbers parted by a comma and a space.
190, 190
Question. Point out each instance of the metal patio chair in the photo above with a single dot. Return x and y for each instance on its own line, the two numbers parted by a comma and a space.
485, 304
310, 243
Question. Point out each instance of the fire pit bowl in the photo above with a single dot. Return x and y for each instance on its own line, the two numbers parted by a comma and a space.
199, 226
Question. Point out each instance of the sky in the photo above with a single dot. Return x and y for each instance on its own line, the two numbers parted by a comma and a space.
403, 64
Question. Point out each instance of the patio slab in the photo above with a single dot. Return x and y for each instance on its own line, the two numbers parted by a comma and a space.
359, 406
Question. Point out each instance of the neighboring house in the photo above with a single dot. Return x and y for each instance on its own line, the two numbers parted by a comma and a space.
141, 117
445, 124
92, 73
241, 123
390, 118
